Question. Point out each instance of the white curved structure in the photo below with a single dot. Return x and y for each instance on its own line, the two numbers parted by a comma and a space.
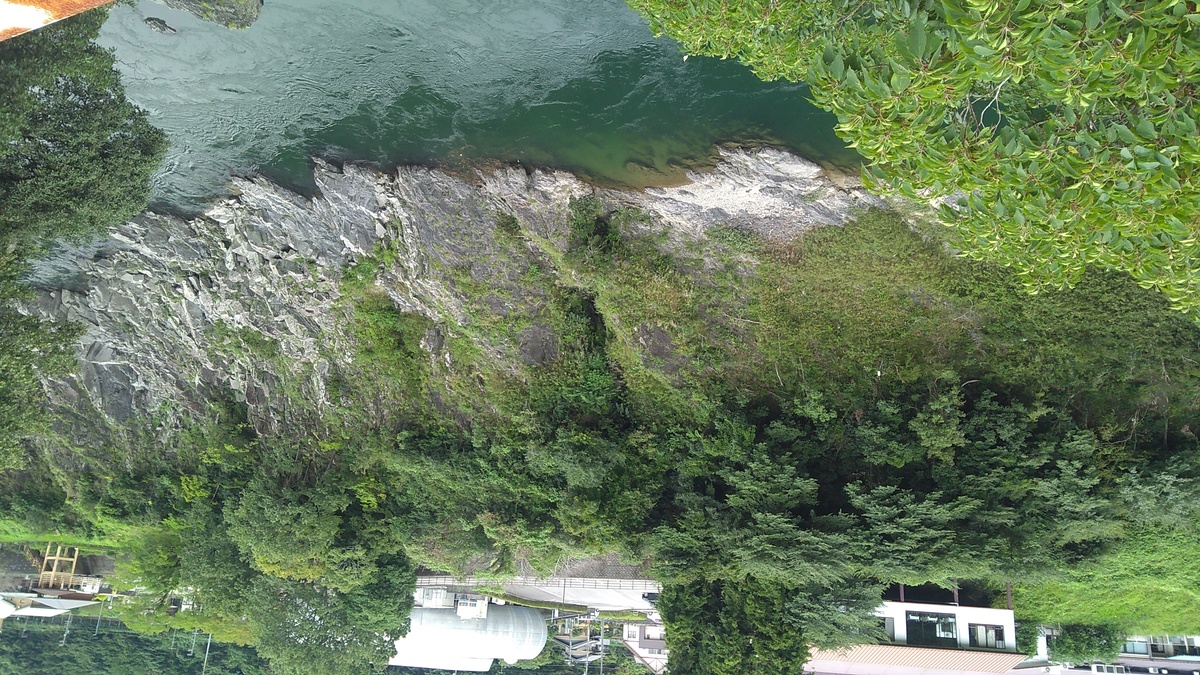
438, 638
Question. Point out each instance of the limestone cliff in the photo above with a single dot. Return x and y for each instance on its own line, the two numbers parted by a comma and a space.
245, 303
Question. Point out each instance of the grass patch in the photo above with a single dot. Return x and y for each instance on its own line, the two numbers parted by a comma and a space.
12, 532
246, 341
613, 615
538, 604
1145, 586
859, 309
387, 340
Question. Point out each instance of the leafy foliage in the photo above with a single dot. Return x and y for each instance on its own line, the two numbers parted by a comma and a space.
1063, 136
1085, 644
69, 130
34, 647
723, 628
1142, 571
75, 158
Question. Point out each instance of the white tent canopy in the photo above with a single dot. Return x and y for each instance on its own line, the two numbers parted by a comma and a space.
39, 611
58, 603
26, 605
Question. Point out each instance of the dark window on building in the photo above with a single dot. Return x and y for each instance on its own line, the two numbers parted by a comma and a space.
985, 636
932, 630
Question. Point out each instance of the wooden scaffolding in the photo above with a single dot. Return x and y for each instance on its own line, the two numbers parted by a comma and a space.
58, 570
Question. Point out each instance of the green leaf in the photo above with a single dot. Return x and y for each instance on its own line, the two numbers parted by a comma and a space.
838, 67
917, 39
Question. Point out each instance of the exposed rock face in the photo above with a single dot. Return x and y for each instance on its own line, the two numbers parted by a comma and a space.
158, 25
245, 301
768, 191
228, 13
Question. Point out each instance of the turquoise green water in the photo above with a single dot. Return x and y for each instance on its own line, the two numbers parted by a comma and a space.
574, 84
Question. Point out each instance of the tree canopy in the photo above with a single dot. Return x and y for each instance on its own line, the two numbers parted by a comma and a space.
1058, 136
75, 158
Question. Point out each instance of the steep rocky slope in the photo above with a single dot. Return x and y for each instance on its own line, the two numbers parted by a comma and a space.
245, 304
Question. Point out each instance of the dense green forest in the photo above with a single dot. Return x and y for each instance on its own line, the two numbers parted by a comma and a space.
38, 646
75, 158
783, 428
1065, 132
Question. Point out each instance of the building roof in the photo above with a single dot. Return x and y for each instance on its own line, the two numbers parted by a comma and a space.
19, 16
911, 660
657, 663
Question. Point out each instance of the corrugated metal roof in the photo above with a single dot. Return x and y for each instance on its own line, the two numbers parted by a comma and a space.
959, 660
21, 16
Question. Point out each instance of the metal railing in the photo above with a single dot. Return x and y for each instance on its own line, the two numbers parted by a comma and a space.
648, 585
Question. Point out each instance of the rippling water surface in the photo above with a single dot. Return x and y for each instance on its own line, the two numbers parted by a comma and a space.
576, 84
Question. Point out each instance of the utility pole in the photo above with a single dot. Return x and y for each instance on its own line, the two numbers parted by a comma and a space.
206, 648
98, 617
601, 646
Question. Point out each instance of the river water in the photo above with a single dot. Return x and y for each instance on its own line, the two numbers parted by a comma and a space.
574, 84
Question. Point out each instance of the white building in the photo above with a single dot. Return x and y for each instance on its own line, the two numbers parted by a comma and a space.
1163, 646
949, 626
648, 644
465, 605
931, 639
1158, 654
439, 638
926, 639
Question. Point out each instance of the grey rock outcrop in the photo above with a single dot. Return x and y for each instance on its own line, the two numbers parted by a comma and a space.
159, 26
770, 192
244, 303
228, 13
